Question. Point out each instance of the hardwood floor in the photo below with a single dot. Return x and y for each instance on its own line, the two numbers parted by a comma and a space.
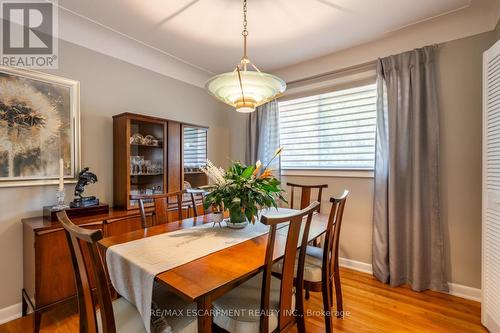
370, 305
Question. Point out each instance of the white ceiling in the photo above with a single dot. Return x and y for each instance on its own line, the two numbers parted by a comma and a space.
207, 33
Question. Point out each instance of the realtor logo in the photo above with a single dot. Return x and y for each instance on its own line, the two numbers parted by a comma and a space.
29, 34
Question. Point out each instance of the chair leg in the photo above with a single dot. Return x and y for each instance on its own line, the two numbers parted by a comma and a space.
338, 293
327, 306
37, 320
300, 314
308, 295
301, 324
24, 306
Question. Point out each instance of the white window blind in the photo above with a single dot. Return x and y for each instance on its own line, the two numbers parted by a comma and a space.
333, 130
195, 147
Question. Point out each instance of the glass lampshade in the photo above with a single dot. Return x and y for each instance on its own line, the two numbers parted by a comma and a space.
258, 88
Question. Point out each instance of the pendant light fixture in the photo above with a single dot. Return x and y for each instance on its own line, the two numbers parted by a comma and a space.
243, 88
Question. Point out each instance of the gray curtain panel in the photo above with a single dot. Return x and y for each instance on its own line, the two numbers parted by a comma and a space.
407, 236
263, 135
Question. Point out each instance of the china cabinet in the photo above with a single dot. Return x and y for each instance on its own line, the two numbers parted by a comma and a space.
153, 155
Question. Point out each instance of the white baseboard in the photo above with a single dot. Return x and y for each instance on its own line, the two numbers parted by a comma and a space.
356, 265
459, 290
10, 313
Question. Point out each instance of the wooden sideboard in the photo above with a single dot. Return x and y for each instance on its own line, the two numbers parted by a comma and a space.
48, 278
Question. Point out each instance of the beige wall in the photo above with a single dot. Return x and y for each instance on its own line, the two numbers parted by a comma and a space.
356, 239
459, 85
459, 73
108, 86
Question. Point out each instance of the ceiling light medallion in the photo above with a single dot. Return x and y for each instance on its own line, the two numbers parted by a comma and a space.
242, 88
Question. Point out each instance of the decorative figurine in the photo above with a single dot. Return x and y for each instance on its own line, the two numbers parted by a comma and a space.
85, 177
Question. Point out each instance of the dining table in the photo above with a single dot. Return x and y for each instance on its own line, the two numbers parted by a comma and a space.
212, 274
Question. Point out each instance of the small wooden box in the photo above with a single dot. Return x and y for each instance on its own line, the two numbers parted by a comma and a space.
102, 208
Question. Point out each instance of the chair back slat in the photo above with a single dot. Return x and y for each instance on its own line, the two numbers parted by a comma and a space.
305, 194
161, 209
305, 197
286, 314
194, 194
162, 206
332, 238
79, 239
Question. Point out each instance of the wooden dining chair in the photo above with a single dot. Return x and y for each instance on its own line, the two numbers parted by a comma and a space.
305, 194
196, 197
111, 316
321, 269
239, 309
163, 205
305, 198
321, 266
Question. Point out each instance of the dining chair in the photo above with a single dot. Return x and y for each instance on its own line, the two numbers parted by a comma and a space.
196, 197
119, 315
305, 194
239, 310
305, 198
162, 206
321, 268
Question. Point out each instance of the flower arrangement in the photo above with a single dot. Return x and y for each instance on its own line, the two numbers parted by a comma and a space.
243, 190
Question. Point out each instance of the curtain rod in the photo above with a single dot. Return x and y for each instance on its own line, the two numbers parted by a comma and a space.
346, 70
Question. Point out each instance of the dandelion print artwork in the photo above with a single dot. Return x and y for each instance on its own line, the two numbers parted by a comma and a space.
36, 128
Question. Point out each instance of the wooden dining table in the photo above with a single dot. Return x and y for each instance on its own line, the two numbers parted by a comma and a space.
207, 278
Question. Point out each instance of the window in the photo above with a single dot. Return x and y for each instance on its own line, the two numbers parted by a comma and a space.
195, 148
332, 131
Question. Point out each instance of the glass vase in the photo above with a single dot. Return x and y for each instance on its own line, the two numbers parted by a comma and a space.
237, 219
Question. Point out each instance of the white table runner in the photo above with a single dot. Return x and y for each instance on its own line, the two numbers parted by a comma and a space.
133, 265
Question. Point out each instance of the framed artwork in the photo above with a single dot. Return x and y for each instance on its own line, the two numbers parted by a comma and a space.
39, 124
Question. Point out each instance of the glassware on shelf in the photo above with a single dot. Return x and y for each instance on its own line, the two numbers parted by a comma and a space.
140, 163
147, 167
133, 165
156, 167
136, 165
140, 166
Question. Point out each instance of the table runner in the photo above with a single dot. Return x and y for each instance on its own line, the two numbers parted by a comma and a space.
133, 265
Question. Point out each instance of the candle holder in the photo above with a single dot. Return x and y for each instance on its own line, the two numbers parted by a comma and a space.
60, 201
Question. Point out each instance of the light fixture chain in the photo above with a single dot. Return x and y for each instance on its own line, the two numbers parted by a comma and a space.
245, 23
245, 31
